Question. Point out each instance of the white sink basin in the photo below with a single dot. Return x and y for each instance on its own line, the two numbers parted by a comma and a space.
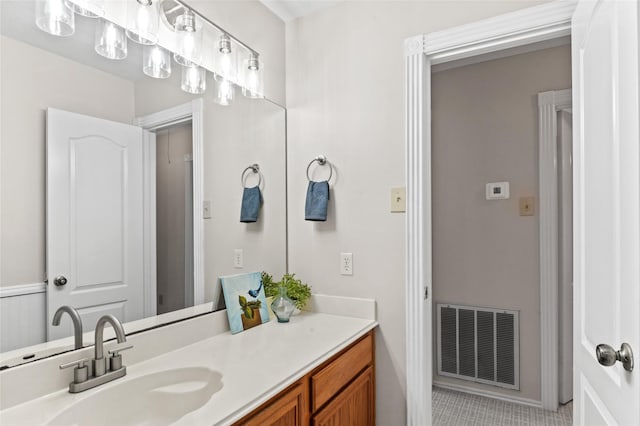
153, 399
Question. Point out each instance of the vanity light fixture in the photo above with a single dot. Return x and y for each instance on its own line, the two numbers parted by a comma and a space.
143, 18
224, 90
55, 18
252, 80
86, 8
156, 62
194, 79
188, 40
111, 41
140, 20
225, 59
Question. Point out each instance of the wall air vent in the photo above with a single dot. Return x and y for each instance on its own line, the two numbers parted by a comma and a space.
479, 344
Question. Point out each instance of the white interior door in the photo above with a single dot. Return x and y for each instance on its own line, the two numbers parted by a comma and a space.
606, 209
94, 219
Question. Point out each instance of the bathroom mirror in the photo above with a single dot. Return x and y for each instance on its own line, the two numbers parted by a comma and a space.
195, 242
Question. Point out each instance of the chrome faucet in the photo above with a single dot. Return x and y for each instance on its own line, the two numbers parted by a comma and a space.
77, 323
99, 363
102, 372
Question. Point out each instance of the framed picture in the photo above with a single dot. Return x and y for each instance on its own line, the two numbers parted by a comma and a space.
245, 300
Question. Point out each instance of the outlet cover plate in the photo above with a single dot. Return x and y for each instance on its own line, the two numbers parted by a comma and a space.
346, 263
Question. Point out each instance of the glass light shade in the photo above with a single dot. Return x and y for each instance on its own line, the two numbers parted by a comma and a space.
194, 80
111, 41
54, 17
86, 8
226, 59
143, 18
188, 40
223, 91
252, 80
156, 62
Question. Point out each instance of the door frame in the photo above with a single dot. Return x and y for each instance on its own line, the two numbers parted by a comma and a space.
191, 111
536, 24
549, 104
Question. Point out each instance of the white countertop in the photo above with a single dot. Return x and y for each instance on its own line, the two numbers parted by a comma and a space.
255, 365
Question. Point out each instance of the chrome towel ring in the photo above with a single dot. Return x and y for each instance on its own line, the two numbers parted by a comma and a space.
255, 168
321, 160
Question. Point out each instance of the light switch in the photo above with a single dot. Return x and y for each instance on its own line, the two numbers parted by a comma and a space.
398, 200
206, 209
526, 206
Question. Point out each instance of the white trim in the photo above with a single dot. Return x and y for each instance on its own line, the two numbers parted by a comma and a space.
22, 289
488, 394
549, 103
532, 25
150, 282
191, 111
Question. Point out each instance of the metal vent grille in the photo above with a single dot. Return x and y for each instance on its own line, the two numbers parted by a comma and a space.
478, 344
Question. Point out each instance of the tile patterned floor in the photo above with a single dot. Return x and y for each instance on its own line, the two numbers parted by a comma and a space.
451, 408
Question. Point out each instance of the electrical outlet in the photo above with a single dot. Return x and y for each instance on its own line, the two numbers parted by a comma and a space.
238, 258
346, 263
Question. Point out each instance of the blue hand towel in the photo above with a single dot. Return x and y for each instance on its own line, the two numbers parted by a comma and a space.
317, 201
251, 202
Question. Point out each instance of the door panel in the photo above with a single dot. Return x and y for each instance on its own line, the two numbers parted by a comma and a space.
606, 208
94, 218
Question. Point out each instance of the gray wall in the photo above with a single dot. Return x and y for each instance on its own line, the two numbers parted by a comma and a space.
172, 145
485, 129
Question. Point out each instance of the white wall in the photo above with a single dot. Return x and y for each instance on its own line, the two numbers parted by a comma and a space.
485, 129
33, 80
345, 86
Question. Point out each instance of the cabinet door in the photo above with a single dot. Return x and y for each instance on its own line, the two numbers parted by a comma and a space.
287, 410
352, 407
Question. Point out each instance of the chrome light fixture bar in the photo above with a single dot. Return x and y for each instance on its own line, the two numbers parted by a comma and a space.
230, 61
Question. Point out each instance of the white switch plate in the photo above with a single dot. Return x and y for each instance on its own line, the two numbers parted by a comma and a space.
238, 258
398, 200
346, 263
206, 209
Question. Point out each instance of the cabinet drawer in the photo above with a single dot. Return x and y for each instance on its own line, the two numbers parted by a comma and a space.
328, 381
354, 406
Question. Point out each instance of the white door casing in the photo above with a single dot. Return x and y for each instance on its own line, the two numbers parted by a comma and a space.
606, 208
536, 24
94, 219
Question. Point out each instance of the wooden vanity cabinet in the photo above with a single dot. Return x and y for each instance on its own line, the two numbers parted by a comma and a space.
340, 392
288, 408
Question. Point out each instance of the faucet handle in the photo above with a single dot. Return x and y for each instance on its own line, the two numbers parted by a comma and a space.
115, 351
115, 360
81, 372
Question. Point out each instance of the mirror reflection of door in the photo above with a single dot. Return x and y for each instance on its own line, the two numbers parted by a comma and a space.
95, 218
174, 218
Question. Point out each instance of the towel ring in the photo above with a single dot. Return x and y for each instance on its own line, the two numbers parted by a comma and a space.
321, 160
255, 168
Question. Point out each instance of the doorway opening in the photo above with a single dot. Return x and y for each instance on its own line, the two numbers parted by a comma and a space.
488, 245
514, 30
174, 217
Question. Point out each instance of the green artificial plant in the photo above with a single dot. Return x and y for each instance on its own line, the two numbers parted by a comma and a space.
296, 290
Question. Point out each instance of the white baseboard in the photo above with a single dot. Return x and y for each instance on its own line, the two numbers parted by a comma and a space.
488, 394
22, 289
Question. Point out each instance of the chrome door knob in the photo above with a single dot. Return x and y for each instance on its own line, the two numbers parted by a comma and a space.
608, 356
60, 280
